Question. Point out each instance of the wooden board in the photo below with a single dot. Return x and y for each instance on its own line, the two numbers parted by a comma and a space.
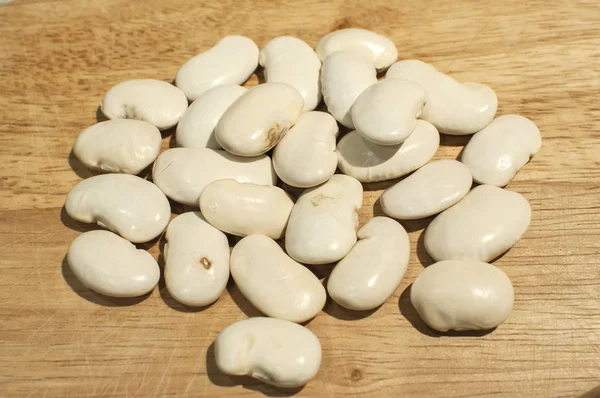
58, 339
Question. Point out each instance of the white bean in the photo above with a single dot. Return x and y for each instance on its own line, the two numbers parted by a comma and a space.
182, 173
273, 351
118, 146
244, 208
154, 101
290, 60
500, 150
369, 162
196, 260
258, 120
196, 129
110, 265
485, 224
378, 49
128, 205
386, 113
231, 61
428, 191
373, 269
305, 156
344, 76
323, 223
452, 107
462, 295
274, 283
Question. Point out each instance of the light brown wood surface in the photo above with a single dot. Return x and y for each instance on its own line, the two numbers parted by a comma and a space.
57, 339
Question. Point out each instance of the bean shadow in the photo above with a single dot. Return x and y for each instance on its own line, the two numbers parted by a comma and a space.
220, 379
454, 140
179, 208
498, 257
170, 132
323, 272
78, 167
242, 302
70, 223
173, 141
411, 226
381, 185
410, 313
93, 297
100, 116
260, 75
337, 311
424, 258
146, 174
162, 286
593, 393
293, 192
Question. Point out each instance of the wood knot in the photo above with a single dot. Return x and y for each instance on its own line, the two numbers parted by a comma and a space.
343, 23
356, 375
205, 262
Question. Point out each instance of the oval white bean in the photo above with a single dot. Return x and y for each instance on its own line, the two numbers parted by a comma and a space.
500, 150
258, 120
485, 224
244, 208
231, 61
430, 190
196, 260
378, 49
452, 107
369, 162
128, 205
196, 129
274, 283
386, 113
373, 269
118, 146
462, 295
305, 156
290, 60
323, 223
182, 173
344, 76
273, 351
110, 265
154, 101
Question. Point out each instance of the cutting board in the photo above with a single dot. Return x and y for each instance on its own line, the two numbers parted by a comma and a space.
58, 339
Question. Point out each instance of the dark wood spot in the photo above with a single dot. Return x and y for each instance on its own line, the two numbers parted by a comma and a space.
356, 375
343, 23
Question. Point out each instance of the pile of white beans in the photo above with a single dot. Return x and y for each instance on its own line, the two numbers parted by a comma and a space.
221, 167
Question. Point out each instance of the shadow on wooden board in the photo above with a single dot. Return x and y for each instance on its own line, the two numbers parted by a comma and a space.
78, 167
593, 393
454, 140
410, 313
411, 226
337, 311
221, 379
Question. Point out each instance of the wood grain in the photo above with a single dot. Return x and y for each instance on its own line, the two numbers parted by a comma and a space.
58, 339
